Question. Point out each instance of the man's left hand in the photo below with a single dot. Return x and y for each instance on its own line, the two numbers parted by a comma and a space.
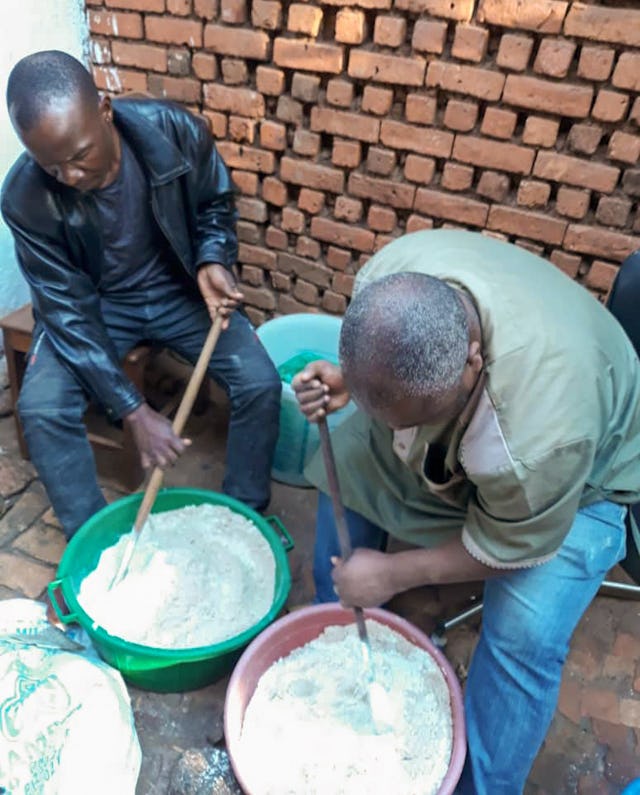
219, 290
364, 580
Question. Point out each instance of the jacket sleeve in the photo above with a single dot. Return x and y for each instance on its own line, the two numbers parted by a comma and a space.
216, 239
66, 302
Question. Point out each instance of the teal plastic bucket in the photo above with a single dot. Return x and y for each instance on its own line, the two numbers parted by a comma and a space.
285, 339
162, 670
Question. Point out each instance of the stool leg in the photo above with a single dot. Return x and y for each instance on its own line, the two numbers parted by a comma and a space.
15, 368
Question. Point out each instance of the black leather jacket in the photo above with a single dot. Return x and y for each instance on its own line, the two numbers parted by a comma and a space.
59, 246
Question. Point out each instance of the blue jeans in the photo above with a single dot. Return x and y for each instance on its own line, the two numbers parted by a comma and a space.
527, 622
52, 403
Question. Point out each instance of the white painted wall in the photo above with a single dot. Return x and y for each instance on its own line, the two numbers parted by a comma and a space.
27, 26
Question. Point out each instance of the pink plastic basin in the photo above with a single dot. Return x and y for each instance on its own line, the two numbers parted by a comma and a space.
300, 627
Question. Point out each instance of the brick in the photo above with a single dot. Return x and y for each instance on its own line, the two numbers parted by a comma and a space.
384, 191
273, 135
99, 51
613, 211
419, 169
109, 78
631, 182
600, 277
420, 109
276, 238
239, 101
252, 209
493, 154
472, 80
572, 203
351, 26
349, 125
334, 303
292, 220
253, 44
288, 305
433, 142
624, 147
381, 161
290, 111
307, 247
138, 5
493, 186
179, 7
179, 89
114, 23
415, 223
305, 87
305, 292
461, 10
242, 130
252, 275
568, 263
634, 114
617, 25
266, 14
377, 100
274, 192
498, 123
470, 43
311, 201
543, 16
234, 12
347, 209
389, 31
460, 116
340, 93
429, 36
179, 62
306, 143
537, 94
346, 153
453, 208
456, 177
207, 9
269, 81
595, 62
627, 71
532, 193
554, 57
308, 56
610, 106
537, 226
540, 132
143, 56
23, 575
41, 542
246, 158
344, 235
304, 19
217, 122
575, 171
514, 52
234, 72
338, 258
261, 297
600, 242
584, 138
343, 283
172, 30
381, 219
310, 175
365, 65
257, 255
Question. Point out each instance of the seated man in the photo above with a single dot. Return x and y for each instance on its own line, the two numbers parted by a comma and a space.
124, 225
499, 433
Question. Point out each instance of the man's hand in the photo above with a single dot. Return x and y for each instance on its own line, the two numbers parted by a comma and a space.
365, 579
320, 390
219, 290
154, 437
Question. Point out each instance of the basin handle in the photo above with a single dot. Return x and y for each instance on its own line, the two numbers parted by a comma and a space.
66, 618
285, 535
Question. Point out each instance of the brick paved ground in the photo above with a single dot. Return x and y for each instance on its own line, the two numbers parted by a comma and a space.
593, 747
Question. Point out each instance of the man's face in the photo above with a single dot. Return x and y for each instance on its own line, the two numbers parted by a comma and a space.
75, 143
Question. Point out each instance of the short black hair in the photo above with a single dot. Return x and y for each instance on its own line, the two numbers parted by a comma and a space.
38, 80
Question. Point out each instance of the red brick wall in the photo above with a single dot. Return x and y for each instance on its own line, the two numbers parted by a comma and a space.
346, 123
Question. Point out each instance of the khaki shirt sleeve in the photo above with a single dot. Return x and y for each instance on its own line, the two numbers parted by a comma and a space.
519, 517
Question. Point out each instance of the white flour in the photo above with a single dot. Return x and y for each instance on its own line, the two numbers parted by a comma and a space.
308, 728
199, 575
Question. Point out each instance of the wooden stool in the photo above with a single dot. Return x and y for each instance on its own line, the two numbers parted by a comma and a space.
17, 332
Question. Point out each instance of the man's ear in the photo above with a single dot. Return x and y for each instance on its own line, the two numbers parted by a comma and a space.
106, 110
474, 357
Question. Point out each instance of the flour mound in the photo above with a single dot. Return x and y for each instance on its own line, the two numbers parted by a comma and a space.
308, 727
199, 575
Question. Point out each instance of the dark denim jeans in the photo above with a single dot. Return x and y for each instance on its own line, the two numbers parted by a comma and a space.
52, 403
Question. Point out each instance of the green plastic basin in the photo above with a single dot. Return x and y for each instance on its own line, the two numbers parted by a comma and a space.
162, 670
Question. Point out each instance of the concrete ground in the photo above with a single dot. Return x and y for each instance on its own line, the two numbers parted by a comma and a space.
593, 747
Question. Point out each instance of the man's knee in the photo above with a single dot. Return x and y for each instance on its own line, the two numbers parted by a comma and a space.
50, 402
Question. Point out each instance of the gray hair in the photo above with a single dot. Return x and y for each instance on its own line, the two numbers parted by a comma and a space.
404, 335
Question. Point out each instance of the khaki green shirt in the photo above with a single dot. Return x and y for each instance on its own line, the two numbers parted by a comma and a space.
555, 423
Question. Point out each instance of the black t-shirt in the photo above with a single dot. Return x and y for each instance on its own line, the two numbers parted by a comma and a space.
138, 262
